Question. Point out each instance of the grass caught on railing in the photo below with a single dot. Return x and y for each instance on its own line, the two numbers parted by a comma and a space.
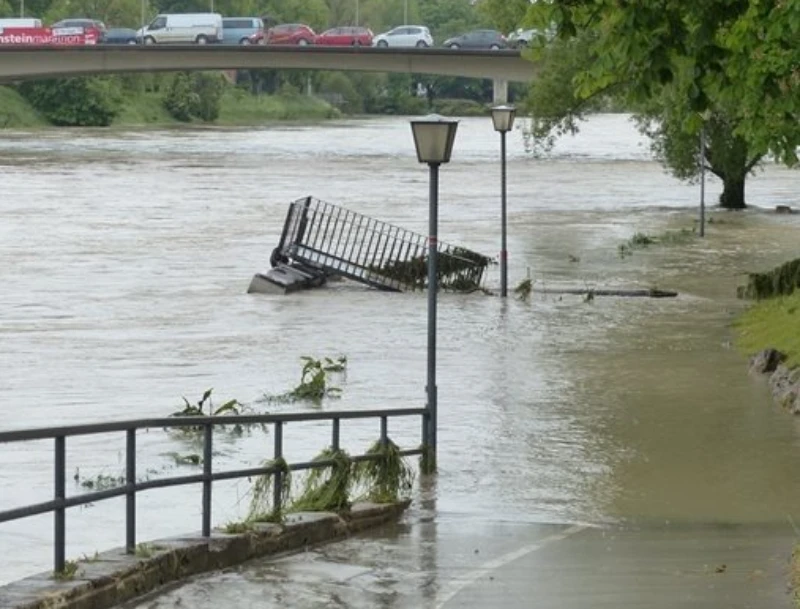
262, 507
327, 489
459, 269
387, 477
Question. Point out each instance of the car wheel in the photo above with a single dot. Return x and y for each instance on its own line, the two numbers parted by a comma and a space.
244, 41
495, 47
201, 39
149, 40
383, 44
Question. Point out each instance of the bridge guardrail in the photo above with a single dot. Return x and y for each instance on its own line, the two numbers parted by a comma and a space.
60, 502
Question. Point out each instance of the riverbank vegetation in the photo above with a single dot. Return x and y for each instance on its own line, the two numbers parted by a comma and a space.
774, 321
711, 85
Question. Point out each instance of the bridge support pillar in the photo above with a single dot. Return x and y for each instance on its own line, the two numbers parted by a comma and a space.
500, 95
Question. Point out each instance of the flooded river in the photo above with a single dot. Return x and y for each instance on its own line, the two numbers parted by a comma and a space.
125, 259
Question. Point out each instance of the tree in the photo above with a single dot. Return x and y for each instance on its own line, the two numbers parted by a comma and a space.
507, 15
124, 13
75, 102
722, 63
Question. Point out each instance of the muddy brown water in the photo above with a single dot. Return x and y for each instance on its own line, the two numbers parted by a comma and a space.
125, 257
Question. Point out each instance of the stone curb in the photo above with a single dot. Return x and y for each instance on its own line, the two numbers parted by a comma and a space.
114, 577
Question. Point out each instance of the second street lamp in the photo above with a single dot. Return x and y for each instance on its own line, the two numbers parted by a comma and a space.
433, 138
503, 119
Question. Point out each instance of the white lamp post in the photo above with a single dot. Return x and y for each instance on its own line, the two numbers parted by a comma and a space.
433, 137
503, 119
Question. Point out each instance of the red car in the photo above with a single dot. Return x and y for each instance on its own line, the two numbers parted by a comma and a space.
346, 36
286, 33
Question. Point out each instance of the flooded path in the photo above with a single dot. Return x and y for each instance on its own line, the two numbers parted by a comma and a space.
125, 256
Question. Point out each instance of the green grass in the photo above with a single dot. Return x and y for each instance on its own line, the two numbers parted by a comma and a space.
241, 108
772, 323
16, 113
143, 109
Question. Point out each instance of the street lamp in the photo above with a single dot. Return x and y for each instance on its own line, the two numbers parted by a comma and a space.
433, 137
503, 119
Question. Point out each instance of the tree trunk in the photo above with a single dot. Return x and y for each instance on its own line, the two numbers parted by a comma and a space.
732, 196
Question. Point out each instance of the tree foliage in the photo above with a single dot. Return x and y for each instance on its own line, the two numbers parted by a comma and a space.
736, 57
75, 102
196, 95
111, 12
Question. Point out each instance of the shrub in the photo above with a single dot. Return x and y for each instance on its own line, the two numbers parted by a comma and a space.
75, 102
197, 95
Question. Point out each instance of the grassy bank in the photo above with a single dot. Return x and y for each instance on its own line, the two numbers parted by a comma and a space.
772, 323
16, 112
241, 108
238, 108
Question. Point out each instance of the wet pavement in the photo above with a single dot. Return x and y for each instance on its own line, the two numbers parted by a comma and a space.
447, 562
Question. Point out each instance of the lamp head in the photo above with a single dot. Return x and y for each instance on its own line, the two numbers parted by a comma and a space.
503, 118
433, 137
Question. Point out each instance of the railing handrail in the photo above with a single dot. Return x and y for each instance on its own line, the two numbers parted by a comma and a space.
60, 502
83, 429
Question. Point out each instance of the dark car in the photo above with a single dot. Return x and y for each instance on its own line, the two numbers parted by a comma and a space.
345, 36
477, 39
88, 26
120, 35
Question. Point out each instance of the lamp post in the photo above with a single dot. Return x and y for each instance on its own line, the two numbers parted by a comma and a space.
433, 137
503, 119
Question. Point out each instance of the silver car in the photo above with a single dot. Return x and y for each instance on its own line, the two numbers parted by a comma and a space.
404, 36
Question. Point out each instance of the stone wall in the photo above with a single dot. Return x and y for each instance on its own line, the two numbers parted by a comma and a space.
113, 577
784, 381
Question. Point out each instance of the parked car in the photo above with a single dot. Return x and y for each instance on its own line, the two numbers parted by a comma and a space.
239, 30
185, 28
345, 36
290, 33
120, 35
89, 26
404, 36
522, 38
477, 39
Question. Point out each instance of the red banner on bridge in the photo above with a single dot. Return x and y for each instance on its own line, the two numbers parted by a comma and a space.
69, 36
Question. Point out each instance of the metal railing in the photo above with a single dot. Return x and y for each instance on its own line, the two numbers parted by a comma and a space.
370, 251
60, 502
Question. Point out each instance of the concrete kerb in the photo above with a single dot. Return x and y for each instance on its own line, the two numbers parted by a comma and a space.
113, 577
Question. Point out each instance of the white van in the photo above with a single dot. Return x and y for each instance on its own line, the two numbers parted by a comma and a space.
187, 28
20, 22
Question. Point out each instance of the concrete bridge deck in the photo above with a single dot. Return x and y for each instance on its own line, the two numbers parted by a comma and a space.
29, 62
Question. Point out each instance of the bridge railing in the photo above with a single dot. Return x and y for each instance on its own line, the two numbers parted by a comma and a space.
60, 502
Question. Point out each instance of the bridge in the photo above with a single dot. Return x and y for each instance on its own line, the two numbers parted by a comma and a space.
33, 62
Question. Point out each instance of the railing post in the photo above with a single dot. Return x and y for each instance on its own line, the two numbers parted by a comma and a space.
278, 477
130, 495
384, 430
335, 435
59, 514
207, 436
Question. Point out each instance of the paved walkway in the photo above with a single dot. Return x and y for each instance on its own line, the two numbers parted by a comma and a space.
464, 562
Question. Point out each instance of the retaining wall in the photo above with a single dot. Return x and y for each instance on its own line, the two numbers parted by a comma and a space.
114, 577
